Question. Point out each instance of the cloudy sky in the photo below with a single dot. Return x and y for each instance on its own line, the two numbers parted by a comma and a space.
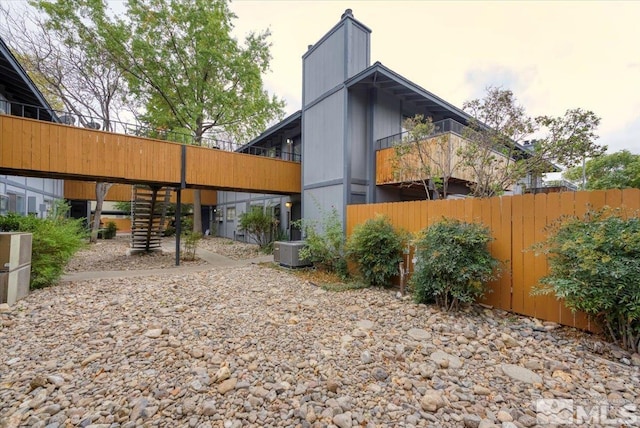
553, 55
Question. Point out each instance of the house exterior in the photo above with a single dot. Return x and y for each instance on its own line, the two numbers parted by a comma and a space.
20, 96
352, 112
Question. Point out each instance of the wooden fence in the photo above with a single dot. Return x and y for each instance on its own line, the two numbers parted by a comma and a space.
516, 223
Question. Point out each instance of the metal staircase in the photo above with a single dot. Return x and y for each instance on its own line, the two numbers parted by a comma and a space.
148, 213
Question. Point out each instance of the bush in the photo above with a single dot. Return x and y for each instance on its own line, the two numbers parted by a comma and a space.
259, 225
594, 264
454, 264
55, 240
325, 243
110, 231
376, 247
190, 245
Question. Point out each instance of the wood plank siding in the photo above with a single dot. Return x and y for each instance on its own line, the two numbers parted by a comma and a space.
85, 190
44, 149
516, 223
443, 148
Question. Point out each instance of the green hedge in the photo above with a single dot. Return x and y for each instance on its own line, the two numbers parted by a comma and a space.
594, 265
55, 240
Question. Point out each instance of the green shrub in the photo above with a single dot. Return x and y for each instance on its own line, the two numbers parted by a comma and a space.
169, 231
259, 225
110, 231
55, 240
453, 264
594, 264
376, 248
190, 242
325, 243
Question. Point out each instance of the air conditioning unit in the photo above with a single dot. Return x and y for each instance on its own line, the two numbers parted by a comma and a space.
288, 253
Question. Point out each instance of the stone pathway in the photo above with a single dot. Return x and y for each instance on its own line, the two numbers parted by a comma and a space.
237, 344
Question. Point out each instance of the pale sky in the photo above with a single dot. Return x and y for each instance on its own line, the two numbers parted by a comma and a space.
553, 55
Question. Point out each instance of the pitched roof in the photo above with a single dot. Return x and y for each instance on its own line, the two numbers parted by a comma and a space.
19, 85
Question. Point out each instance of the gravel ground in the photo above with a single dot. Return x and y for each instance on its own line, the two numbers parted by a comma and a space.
229, 248
111, 254
255, 346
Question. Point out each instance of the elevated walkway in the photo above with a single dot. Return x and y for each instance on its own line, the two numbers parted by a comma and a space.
35, 148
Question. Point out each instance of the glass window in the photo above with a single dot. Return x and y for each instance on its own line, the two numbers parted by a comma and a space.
231, 213
4, 105
4, 204
20, 207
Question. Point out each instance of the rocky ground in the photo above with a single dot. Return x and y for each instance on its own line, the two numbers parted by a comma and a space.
255, 346
112, 254
229, 248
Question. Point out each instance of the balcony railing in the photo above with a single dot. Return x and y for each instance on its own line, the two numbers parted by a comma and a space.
440, 127
135, 129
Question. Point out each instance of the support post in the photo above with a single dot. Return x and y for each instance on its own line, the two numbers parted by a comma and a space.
178, 224
183, 184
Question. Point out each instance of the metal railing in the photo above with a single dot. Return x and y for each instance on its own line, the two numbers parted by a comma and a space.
440, 127
135, 129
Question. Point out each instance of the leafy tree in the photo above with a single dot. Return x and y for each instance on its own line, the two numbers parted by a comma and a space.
571, 138
498, 123
619, 170
498, 127
423, 157
180, 59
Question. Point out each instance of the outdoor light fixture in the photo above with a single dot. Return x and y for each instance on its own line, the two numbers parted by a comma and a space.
288, 204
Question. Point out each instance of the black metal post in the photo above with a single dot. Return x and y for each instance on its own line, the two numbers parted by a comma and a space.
178, 224
183, 184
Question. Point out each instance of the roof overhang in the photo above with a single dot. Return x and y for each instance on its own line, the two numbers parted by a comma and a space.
20, 87
379, 76
289, 123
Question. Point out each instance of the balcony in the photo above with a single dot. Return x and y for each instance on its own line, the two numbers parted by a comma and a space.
138, 130
440, 127
441, 149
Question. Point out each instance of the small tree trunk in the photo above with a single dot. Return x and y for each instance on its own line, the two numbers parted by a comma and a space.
197, 212
101, 193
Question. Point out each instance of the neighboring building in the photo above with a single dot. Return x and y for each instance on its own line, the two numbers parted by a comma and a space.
19, 96
350, 111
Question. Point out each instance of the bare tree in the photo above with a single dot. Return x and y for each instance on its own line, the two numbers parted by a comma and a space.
81, 77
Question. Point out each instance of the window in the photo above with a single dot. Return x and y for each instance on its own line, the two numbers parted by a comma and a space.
4, 204
218, 214
231, 213
4, 105
31, 205
20, 208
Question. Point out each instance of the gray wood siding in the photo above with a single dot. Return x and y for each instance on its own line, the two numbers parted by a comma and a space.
324, 67
319, 202
358, 133
358, 58
387, 116
323, 141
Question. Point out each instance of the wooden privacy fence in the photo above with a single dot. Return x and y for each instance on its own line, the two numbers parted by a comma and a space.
516, 223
